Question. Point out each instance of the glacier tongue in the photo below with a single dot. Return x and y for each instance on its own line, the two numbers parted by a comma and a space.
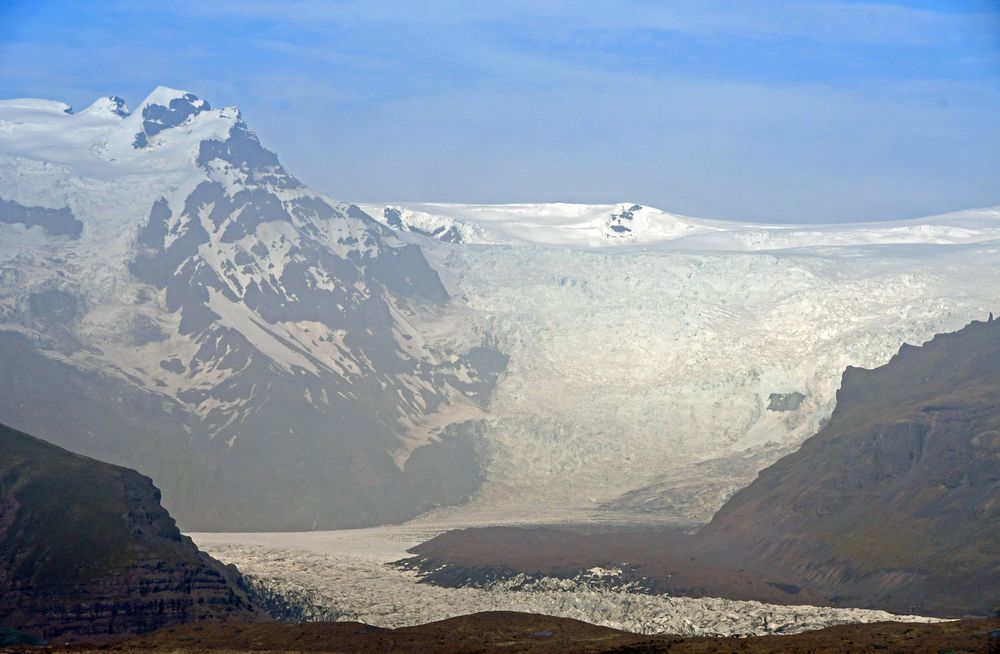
343, 575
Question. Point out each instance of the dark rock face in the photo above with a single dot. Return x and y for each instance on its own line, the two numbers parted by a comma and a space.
785, 401
896, 502
86, 551
55, 222
619, 222
158, 117
118, 107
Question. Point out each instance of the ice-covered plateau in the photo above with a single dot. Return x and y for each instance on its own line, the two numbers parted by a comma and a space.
658, 362
276, 360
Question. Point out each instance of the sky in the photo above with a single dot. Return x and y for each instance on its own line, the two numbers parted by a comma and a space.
767, 111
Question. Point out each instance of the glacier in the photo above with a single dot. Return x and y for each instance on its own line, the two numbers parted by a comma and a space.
174, 300
344, 575
643, 363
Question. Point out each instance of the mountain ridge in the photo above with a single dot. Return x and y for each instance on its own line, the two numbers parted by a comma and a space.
87, 552
209, 280
897, 498
627, 224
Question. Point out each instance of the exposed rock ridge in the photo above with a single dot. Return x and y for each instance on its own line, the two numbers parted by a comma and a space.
896, 502
87, 552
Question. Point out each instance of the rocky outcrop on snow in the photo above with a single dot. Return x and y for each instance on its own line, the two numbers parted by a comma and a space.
54, 222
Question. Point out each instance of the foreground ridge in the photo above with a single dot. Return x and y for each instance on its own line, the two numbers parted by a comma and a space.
506, 632
87, 552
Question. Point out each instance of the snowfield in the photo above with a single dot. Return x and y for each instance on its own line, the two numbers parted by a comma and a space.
343, 575
589, 226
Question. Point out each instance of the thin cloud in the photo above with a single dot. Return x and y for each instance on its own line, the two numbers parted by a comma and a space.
783, 112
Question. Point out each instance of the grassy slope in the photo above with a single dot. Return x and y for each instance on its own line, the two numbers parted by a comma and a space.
71, 524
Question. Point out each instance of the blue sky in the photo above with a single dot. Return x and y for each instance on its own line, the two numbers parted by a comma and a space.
769, 111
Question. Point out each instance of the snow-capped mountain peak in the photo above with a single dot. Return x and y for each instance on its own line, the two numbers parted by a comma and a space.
165, 108
105, 140
168, 254
165, 95
110, 106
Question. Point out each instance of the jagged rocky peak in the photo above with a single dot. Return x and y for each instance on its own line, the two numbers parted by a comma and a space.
228, 148
111, 106
241, 151
165, 108
276, 320
620, 222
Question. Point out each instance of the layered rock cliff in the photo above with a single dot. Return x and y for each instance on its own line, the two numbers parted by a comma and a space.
87, 552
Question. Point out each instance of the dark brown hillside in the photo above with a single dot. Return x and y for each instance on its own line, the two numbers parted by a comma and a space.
523, 632
896, 502
86, 550
650, 560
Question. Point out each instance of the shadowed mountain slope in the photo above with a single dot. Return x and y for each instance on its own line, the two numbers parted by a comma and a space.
896, 502
86, 551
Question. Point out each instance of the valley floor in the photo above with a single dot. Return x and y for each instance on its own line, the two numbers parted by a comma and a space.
518, 632
343, 575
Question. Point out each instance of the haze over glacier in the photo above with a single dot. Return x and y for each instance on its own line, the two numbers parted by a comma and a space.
281, 360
